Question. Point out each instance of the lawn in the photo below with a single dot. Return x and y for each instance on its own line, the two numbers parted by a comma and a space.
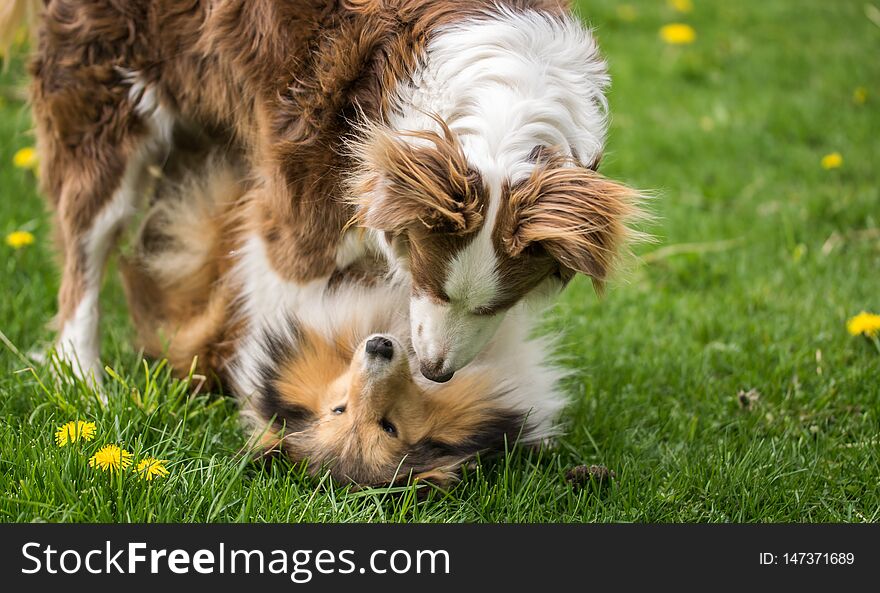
762, 254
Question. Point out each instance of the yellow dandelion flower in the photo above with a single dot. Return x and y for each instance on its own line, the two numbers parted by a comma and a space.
678, 34
110, 457
73, 431
864, 323
627, 12
860, 95
151, 467
683, 6
26, 158
832, 161
19, 239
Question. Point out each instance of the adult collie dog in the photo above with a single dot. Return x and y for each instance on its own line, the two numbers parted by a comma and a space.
333, 384
458, 139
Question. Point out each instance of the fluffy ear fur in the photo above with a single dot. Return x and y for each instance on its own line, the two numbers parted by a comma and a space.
415, 179
577, 215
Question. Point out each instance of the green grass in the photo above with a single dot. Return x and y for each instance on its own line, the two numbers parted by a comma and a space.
730, 132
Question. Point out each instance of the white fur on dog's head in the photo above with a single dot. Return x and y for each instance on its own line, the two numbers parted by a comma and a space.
482, 184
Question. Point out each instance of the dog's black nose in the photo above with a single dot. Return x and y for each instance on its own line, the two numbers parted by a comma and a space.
431, 372
380, 346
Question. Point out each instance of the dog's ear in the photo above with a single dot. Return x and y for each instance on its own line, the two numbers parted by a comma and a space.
415, 179
579, 217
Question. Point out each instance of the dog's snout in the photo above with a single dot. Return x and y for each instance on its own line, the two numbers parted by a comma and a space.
434, 371
381, 347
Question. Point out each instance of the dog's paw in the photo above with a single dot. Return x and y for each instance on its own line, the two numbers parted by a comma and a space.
83, 364
66, 368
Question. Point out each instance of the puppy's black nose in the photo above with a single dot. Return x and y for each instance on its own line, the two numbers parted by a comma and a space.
380, 346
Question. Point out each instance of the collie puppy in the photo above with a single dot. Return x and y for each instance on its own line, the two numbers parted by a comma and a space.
333, 384
458, 139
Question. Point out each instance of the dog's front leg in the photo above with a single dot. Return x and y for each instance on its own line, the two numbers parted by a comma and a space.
94, 196
89, 223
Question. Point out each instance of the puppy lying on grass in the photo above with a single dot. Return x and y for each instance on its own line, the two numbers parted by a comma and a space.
337, 384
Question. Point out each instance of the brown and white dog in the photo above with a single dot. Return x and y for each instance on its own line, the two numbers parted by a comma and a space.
332, 385
461, 136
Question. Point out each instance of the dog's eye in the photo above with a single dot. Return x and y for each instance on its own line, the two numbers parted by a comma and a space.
483, 311
388, 427
338, 409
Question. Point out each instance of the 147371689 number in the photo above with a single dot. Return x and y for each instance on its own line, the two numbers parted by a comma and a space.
809, 558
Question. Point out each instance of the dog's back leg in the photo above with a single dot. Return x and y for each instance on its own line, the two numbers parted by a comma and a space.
97, 133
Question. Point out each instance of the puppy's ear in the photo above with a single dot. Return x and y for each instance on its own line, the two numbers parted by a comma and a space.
415, 179
579, 217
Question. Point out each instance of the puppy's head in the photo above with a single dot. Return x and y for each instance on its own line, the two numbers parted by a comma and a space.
360, 413
476, 243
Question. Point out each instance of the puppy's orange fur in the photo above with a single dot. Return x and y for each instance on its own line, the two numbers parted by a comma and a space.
371, 426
